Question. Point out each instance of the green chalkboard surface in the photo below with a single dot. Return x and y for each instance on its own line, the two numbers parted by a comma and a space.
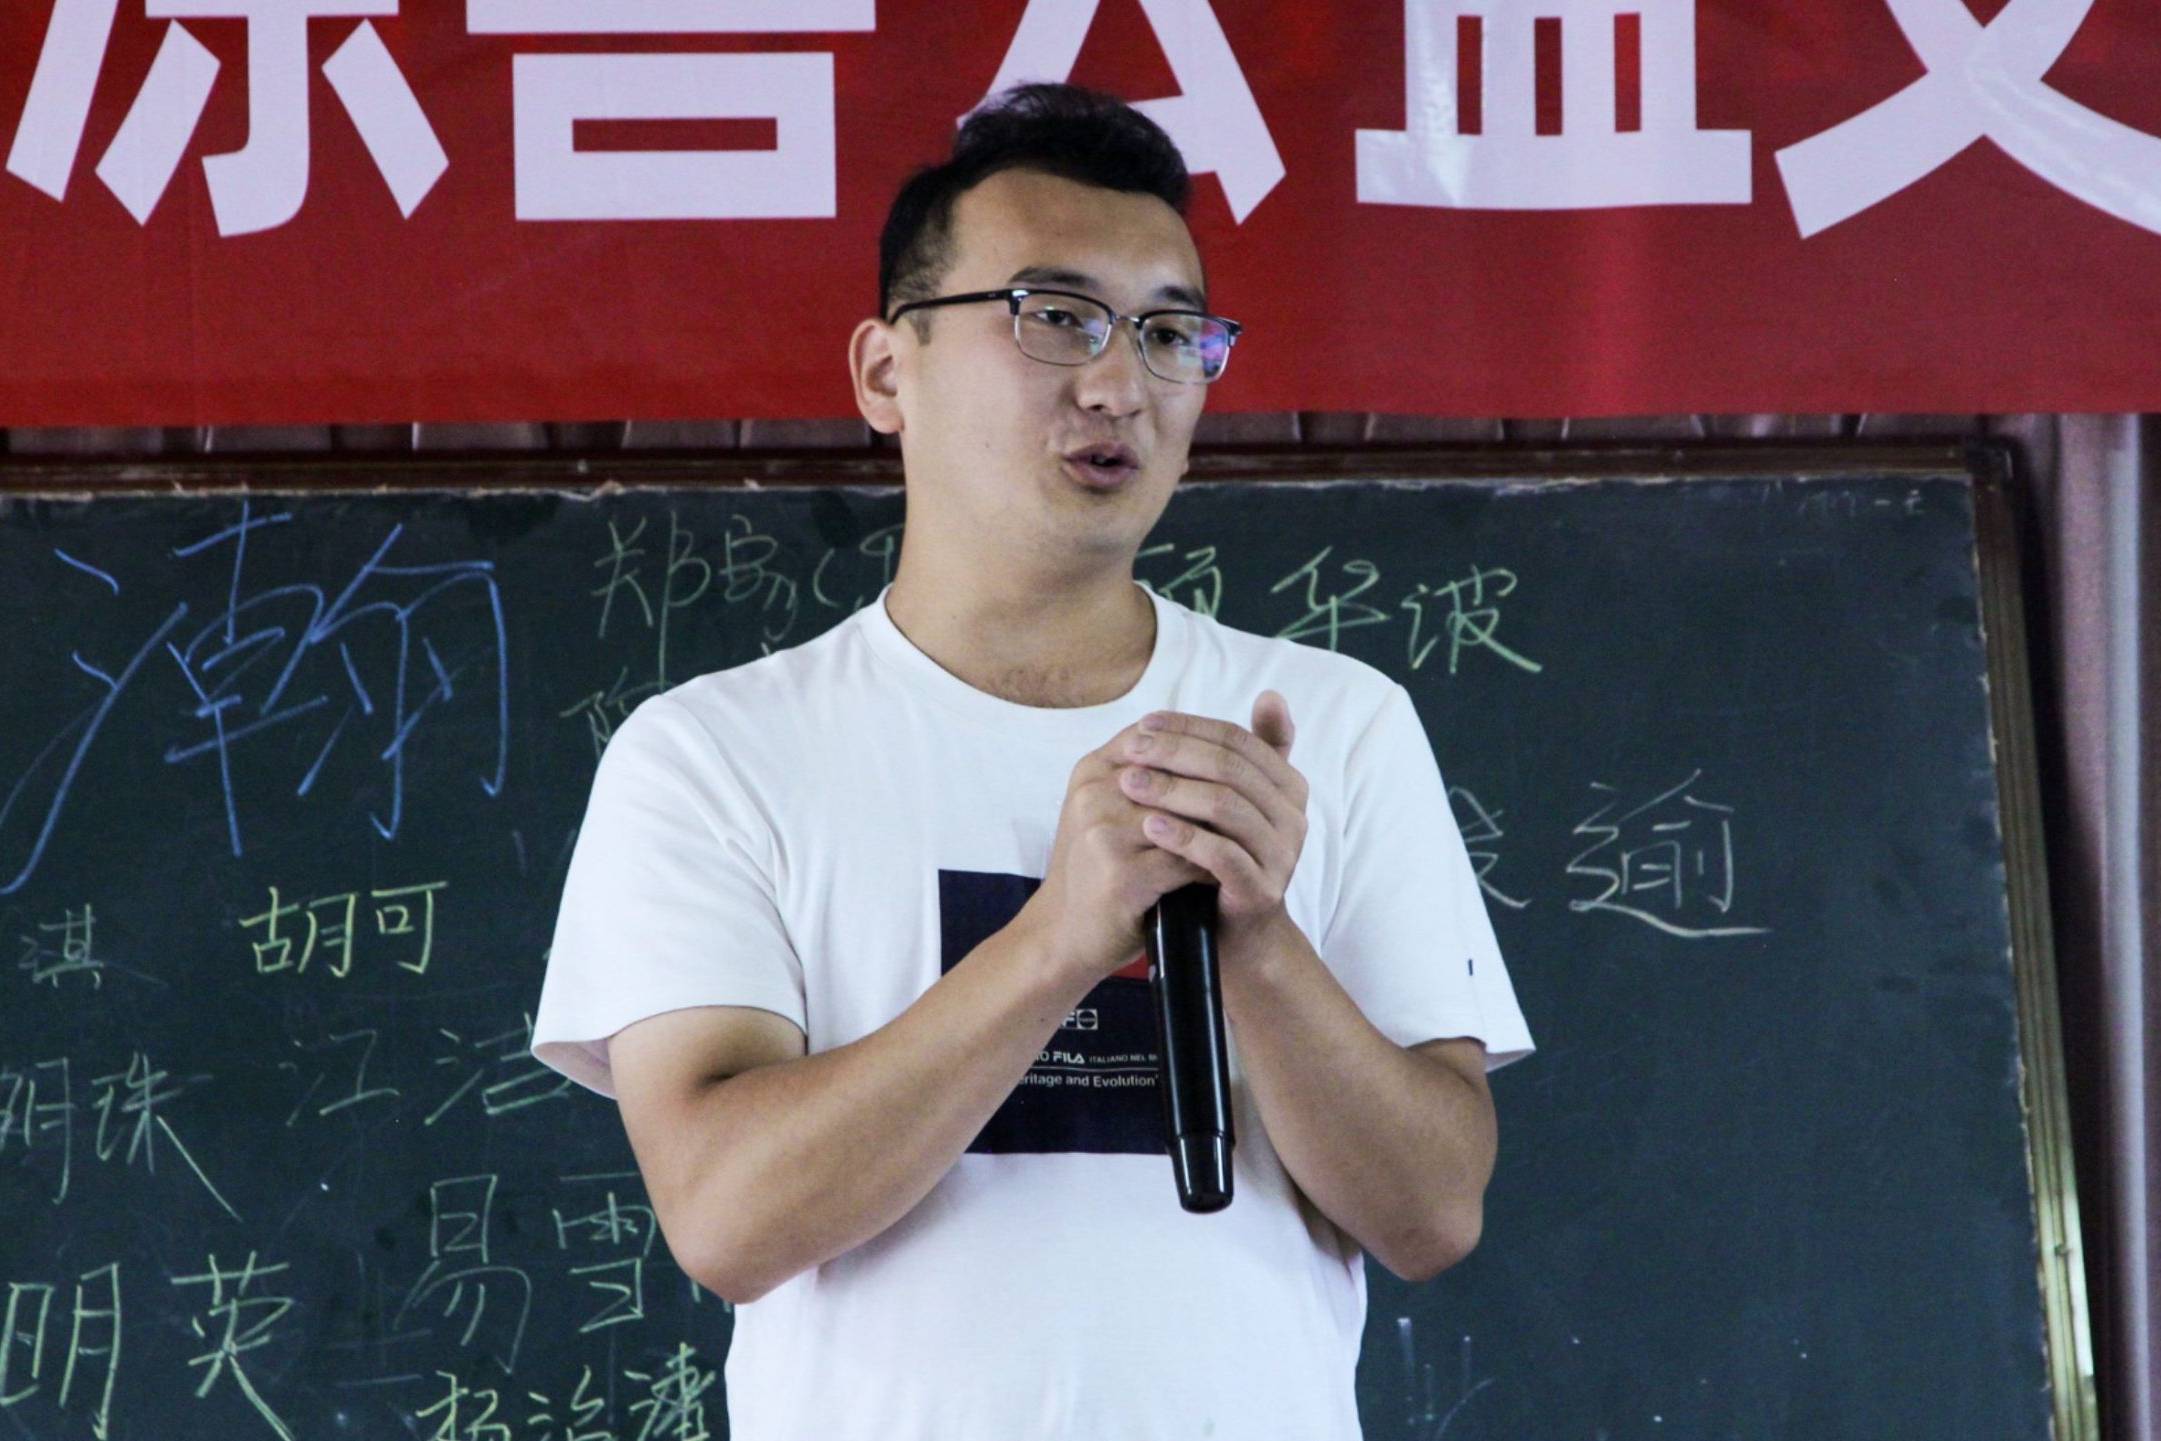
289, 780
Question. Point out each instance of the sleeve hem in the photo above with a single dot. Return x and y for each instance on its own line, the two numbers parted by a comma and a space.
584, 1058
1504, 1044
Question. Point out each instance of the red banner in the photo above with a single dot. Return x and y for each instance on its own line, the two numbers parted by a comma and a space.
315, 211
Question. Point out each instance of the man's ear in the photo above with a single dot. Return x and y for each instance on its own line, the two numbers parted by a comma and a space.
874, 368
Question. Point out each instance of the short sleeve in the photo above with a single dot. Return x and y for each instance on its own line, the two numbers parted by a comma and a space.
1409, 938
669, 901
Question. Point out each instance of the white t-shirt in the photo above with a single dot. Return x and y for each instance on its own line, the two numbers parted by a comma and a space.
826, 830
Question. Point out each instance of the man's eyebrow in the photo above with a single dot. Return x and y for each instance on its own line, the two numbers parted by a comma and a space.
1058, 275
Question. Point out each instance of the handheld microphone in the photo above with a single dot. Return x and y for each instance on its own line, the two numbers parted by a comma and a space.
1194, 1072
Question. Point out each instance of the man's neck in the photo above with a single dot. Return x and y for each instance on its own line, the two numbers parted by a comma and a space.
1055, 650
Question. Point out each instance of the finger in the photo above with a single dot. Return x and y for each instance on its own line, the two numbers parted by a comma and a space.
1232, 767
1272, 721
1119, 749
1189, 738
1219, 808
1240, 876
1273, 846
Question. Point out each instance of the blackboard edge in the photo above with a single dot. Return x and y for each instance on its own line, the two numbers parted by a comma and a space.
1999, 492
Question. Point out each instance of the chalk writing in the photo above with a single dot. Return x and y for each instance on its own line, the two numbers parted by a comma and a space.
684, 579
465, 1413
360, 1090
92, 1363
880, 546
1332, 609
230, 1311
1423, 1418
668, 1405
334, 930
52, 770
524, 1080
37, 1113
145, 1088
623, 1282
611, 1226
1471, 619
62, 947
607, 708
1483, 830
1823, 501
653, 591
300, 637
24, 1117
1327, 614
583, 1410
460, 1272
1673, 850
1199, 587
674, 1406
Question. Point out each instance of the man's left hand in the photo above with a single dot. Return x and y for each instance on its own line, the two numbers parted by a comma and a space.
1236, 806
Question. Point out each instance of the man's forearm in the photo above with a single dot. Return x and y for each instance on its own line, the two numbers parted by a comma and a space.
813, 1157
1393, 1147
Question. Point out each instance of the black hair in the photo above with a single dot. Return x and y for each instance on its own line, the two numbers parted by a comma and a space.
1057, 129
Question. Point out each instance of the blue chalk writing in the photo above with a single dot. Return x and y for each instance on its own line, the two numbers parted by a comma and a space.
263, 661
88, 568
83, 728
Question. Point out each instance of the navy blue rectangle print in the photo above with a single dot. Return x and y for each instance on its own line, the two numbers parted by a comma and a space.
1094, 1087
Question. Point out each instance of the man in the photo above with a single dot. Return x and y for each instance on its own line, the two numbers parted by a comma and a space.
852, 933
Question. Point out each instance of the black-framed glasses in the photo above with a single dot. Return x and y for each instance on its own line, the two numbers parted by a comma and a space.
1065, 328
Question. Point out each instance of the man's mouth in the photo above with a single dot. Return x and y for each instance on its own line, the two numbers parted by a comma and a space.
1107, 461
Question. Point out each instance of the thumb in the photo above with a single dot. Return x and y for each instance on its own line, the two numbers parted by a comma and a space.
1272, 721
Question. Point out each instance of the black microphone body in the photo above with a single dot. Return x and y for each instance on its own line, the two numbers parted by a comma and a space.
1194, 1073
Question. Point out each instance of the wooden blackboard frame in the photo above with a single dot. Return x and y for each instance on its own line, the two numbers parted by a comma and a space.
1991, 466
2049, 1156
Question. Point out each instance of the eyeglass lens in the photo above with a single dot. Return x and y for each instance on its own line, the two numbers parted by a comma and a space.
1068, 330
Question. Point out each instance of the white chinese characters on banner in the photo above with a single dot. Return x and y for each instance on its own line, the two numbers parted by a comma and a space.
1982, 81
1591, 163
261, 185
1214, 119
550, 93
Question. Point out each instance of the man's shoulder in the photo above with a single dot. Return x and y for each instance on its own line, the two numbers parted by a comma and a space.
1348, 686
777, 680
737, 708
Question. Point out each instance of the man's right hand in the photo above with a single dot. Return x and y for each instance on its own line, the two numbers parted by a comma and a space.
1104, 871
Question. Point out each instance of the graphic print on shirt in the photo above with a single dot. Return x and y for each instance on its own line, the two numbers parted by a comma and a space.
1094, 1086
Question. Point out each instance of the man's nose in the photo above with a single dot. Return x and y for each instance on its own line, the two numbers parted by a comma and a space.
1116, 379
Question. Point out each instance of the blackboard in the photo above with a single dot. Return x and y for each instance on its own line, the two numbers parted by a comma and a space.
290, 778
